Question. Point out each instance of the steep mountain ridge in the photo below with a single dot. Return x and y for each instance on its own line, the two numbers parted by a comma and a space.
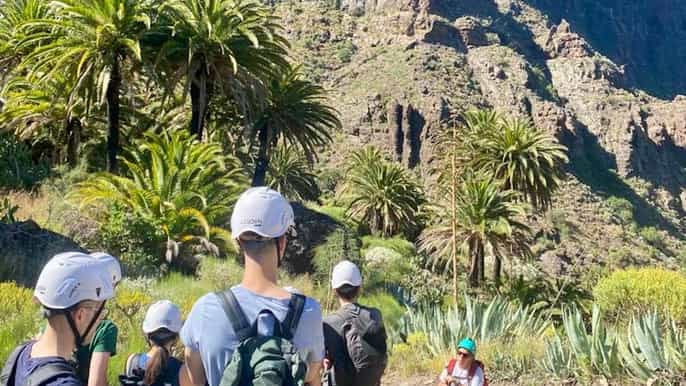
397, 68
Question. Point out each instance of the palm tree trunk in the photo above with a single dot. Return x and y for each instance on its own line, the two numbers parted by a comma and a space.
201, 89
260, 175
73, 141
482, 270
474, 268
113, 116
496, 270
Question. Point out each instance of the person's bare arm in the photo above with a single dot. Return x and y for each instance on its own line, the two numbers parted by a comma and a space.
97, 372
194, 370
314, 374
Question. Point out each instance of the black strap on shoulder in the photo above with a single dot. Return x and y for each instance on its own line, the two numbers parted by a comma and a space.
234, 313
10, 368
49, 372
296, 306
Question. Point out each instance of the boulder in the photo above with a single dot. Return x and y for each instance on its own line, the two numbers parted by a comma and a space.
313, 229
24, 249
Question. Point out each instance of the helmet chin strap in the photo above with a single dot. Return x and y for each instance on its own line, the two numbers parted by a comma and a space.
79, 338
278, 252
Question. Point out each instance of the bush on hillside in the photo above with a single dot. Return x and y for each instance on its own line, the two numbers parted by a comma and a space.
621, 209
182, 188
401, 246
642, 290
14, 300
17, 169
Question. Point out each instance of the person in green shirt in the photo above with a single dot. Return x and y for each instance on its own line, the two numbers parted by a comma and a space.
93, 359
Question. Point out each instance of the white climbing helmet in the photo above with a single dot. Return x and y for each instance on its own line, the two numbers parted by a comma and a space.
162, 314
111, 264
263, 211
72, 277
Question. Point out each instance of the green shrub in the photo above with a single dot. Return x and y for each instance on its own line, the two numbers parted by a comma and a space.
401, 246
220, 274
17, 169
138, 243
390, 308
641, 290
345, 51
14, 300
621, 209
653, 237
181, 187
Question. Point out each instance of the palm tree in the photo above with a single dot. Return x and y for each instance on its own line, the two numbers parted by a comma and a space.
295, 111
45, 111
219, 44
523, 158
91, 39
487, 223
14, 15
382, 194
290, 173
184, 187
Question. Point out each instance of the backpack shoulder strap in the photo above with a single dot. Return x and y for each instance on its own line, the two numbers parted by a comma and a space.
49, 372
451, 366
472, 369
10, 368
296, 306
234, 312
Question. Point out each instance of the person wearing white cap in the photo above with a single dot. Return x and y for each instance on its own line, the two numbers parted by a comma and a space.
72, 289
354, 336
94, 357
214, 328
157, 367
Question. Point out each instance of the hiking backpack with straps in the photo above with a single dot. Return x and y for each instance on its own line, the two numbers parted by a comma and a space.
263, 360
135, 372
368, 361
472, 370
41, 376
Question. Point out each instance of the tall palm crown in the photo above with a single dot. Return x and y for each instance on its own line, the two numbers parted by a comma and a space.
382, 194
230, 45
295, 110
290, 174
91, 39
487, 220
523, 158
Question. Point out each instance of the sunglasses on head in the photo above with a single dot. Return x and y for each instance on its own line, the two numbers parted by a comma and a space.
463, 354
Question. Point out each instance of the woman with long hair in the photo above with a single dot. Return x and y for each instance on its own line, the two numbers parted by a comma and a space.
157, 367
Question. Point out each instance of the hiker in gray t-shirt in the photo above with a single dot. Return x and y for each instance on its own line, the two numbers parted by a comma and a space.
351, 361
259, 222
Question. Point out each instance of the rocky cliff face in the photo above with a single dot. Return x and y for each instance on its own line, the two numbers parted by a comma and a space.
573, 67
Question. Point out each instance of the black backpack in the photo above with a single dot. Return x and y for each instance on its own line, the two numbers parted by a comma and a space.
365, 347
134, 375
41, 376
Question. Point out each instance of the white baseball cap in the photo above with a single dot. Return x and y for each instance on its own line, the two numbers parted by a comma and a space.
263, 211
346, 272
70, 278
162, 314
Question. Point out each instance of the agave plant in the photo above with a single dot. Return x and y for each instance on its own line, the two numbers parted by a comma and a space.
497, 319
596, 353
558, 359
183, 186
654, 350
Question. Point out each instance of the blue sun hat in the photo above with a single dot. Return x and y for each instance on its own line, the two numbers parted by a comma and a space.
469, 345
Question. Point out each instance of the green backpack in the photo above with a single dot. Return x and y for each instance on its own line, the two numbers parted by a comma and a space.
264, 360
